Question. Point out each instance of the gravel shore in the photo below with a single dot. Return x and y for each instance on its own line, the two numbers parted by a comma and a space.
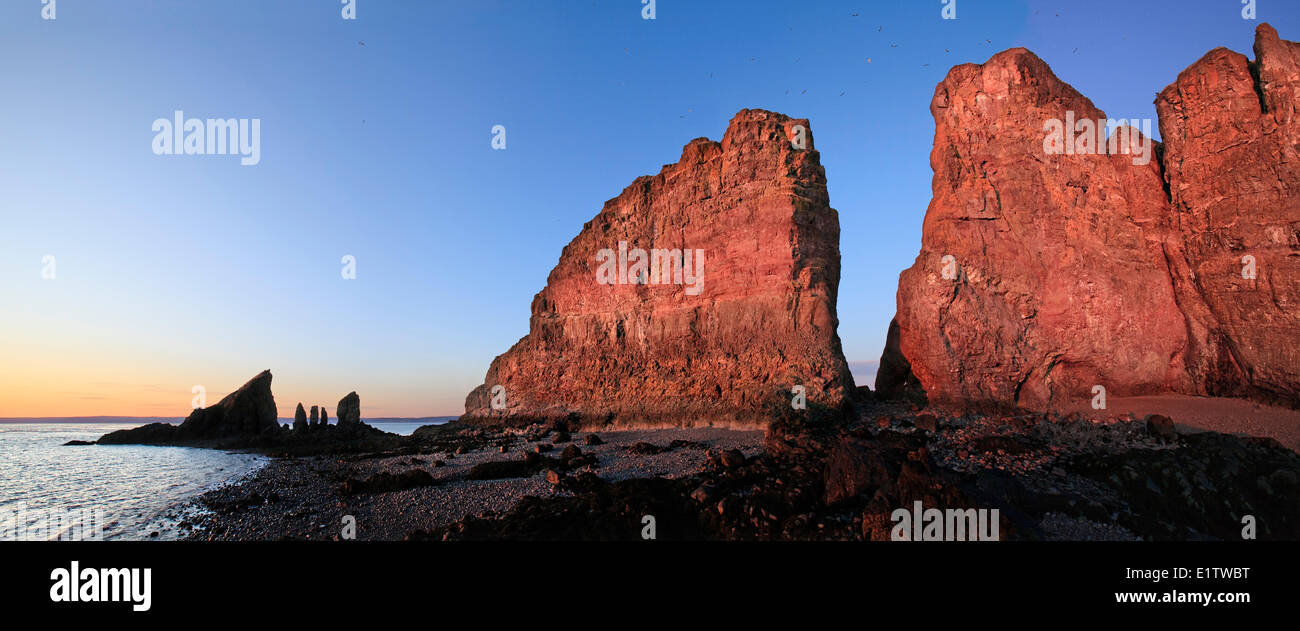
303, 498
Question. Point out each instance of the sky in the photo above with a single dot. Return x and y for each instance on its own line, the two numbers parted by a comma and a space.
176, 271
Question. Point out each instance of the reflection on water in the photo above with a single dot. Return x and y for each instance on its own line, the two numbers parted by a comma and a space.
138, 490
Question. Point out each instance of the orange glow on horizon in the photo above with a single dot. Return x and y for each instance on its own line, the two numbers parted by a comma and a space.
31, 390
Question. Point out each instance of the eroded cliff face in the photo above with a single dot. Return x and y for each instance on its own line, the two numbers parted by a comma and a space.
1232, 159
623, 335
1056, 278
1046, 272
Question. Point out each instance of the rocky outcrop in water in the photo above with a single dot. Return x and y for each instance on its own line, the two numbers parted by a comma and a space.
246, 419
247, 412
704, 294
349, 411
1054, 262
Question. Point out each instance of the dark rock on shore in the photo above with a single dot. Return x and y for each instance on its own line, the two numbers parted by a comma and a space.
500, 469
602, 511
532, 463
1048, 478
388, 482
647, 449
1161, 427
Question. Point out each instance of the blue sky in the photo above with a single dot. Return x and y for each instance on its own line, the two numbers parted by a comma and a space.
174, 271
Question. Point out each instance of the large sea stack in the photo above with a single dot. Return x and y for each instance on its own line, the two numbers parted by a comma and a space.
1045, 273
624, 335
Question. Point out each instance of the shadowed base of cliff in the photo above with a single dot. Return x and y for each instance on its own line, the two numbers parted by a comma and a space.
1049, 477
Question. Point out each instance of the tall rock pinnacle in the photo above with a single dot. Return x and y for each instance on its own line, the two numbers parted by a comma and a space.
701, 295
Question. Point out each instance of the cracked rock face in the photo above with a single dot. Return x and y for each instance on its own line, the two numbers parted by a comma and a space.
1232, 144
1070, 270
727, 349
1057, 280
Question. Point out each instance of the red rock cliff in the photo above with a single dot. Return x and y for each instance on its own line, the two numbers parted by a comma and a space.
616, 339
1095, 267
1232, 157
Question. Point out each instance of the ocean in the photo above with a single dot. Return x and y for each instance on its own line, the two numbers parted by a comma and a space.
114, 492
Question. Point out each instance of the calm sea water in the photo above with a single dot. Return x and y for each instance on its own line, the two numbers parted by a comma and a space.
401, 428
49, 491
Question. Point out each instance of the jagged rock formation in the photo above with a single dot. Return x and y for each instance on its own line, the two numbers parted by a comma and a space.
247, 412
626, 335
349, 411
1072, 271
246, 419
